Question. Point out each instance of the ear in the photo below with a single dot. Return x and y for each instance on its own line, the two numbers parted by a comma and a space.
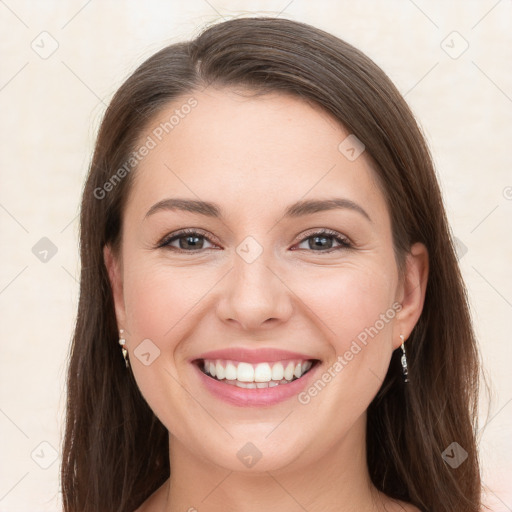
115, 274
411, 293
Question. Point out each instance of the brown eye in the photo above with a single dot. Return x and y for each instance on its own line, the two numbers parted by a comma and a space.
186, 241
325, 241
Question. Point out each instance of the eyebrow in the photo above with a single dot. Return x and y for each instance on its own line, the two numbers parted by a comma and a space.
298, 209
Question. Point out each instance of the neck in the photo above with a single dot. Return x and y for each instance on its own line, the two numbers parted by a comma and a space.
335, 481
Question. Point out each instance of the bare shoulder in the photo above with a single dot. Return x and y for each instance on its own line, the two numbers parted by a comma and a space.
156, 501
411, 508
395, 505
402, 506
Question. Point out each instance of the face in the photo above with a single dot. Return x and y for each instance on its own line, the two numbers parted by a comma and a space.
293, 311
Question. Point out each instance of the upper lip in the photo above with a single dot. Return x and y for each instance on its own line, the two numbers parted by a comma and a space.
260, 355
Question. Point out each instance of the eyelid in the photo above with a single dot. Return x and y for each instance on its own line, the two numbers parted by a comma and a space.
322, 231
167, 239
343, 241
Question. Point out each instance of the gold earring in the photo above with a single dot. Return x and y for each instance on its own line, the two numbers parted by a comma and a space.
122, 342
403, 359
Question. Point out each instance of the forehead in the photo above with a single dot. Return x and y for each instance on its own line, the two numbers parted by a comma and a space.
251, 151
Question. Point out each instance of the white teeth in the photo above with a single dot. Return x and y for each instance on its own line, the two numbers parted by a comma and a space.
261, 375
247, 385
245, 372
230, 371
277, 371
288, 373
220, 371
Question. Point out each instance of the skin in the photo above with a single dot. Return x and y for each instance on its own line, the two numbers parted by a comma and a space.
254, 156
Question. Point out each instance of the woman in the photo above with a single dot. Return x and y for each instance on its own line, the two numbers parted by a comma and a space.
271, 313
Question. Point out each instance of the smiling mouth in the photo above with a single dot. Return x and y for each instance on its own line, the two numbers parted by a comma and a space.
256, 376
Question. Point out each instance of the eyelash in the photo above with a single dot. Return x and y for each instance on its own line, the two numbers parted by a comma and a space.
326, 233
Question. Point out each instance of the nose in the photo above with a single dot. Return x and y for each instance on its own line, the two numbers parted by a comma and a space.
254, 296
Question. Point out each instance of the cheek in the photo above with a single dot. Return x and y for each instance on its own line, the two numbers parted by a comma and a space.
159, 298
342, 302
347, 300
159, 303
355, 309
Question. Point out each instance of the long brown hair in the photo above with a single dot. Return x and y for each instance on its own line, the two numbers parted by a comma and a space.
115, 451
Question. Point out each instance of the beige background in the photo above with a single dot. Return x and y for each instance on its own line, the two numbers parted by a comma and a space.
51, 105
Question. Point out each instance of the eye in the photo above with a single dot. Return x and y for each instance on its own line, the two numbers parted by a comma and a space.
320, 240
188, 240
192, 240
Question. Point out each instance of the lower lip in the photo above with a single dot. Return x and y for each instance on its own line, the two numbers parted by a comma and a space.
244, 397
